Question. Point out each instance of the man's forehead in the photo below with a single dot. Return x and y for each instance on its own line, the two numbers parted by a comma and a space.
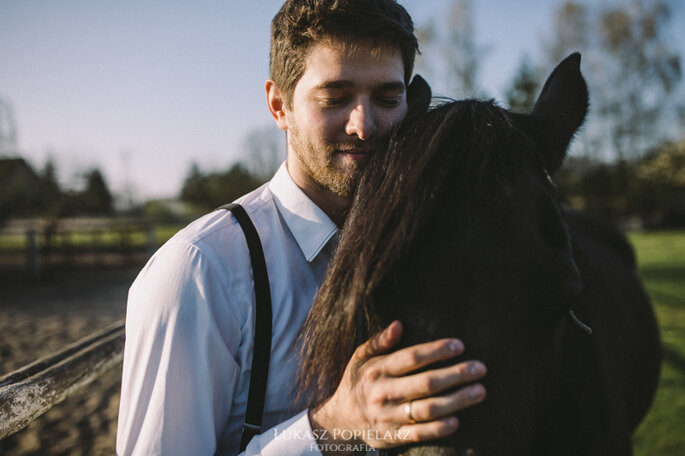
352, 48
339, 65
346, 84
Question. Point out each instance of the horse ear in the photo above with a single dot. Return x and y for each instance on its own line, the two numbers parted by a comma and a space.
418, 95
559, 111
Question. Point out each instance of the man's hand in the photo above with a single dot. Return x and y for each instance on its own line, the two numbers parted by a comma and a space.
381, 402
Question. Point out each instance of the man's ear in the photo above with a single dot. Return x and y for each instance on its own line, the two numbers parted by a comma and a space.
275, 100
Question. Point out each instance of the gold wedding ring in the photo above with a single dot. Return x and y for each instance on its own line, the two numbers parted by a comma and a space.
407, 409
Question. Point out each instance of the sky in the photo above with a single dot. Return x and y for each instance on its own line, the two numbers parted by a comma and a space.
143, 88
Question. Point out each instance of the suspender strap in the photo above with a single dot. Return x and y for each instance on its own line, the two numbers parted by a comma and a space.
262, 343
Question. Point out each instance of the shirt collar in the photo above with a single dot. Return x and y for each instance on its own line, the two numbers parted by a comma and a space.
310, 226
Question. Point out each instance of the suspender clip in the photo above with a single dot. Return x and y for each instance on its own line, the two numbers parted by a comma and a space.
252, 428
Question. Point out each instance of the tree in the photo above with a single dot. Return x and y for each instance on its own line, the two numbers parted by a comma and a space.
633, 71
19, 195
523, 92
232, 184
666, 164
96, 198
49, 190
451, 53
195, 189
661, 180
209, 191
571, 32
644, 74
265, 150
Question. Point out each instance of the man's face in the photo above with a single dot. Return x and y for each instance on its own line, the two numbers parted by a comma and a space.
341, 112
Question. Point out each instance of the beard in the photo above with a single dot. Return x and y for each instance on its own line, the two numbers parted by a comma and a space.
327, 166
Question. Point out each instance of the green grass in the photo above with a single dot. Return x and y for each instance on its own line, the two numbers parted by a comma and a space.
661, 259
103, 237
164, 232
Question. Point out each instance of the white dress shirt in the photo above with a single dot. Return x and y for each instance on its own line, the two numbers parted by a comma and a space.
190, 330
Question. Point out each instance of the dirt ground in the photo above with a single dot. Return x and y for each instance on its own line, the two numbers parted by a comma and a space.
40, 316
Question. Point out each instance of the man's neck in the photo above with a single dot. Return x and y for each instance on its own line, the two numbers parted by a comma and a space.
334, 206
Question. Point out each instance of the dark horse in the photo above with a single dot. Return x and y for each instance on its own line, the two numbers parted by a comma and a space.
457, 231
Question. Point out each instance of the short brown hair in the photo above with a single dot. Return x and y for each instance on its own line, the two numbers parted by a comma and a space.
300, 24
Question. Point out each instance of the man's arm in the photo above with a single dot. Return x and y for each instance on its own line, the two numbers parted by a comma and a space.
181, 362
179, 368
379, 394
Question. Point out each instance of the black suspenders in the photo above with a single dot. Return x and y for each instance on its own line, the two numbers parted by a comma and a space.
262, 341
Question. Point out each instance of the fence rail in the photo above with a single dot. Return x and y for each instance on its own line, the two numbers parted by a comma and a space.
35, 245
27, 393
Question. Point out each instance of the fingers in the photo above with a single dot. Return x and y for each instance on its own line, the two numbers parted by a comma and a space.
438, 407
380, 384
418, 432
432, 417
380, 343
421, 432
435, 381
415, 357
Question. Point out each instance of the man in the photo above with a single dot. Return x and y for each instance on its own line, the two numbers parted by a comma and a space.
339, 71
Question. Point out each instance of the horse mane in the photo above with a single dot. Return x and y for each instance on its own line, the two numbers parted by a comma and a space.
456, 152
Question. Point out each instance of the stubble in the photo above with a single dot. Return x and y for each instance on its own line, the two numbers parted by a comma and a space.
323, 166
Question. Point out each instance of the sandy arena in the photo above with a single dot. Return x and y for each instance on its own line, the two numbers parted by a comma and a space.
38, 318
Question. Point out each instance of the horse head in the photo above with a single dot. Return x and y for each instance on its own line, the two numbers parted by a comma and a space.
456, 231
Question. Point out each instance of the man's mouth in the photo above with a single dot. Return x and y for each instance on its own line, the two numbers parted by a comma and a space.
356, 153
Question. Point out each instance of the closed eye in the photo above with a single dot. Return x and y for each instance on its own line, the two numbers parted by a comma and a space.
389, 102
333, 102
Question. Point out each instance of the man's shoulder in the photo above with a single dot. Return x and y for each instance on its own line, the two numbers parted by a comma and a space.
219, 227
214, 242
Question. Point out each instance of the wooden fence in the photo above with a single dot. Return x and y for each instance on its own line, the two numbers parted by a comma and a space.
35, 245
27, 393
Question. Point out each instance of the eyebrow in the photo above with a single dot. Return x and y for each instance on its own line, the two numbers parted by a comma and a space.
344, 84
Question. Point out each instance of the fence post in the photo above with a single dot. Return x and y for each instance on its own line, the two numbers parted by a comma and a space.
125, 244
32, 253
68, 254
151, 240
97, 247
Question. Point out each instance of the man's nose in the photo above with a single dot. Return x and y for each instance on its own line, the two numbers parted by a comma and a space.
361, 122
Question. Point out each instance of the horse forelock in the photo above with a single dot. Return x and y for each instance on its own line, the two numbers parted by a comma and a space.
436, 165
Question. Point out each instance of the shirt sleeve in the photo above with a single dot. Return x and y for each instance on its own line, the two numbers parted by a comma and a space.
180, 367
293, 437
